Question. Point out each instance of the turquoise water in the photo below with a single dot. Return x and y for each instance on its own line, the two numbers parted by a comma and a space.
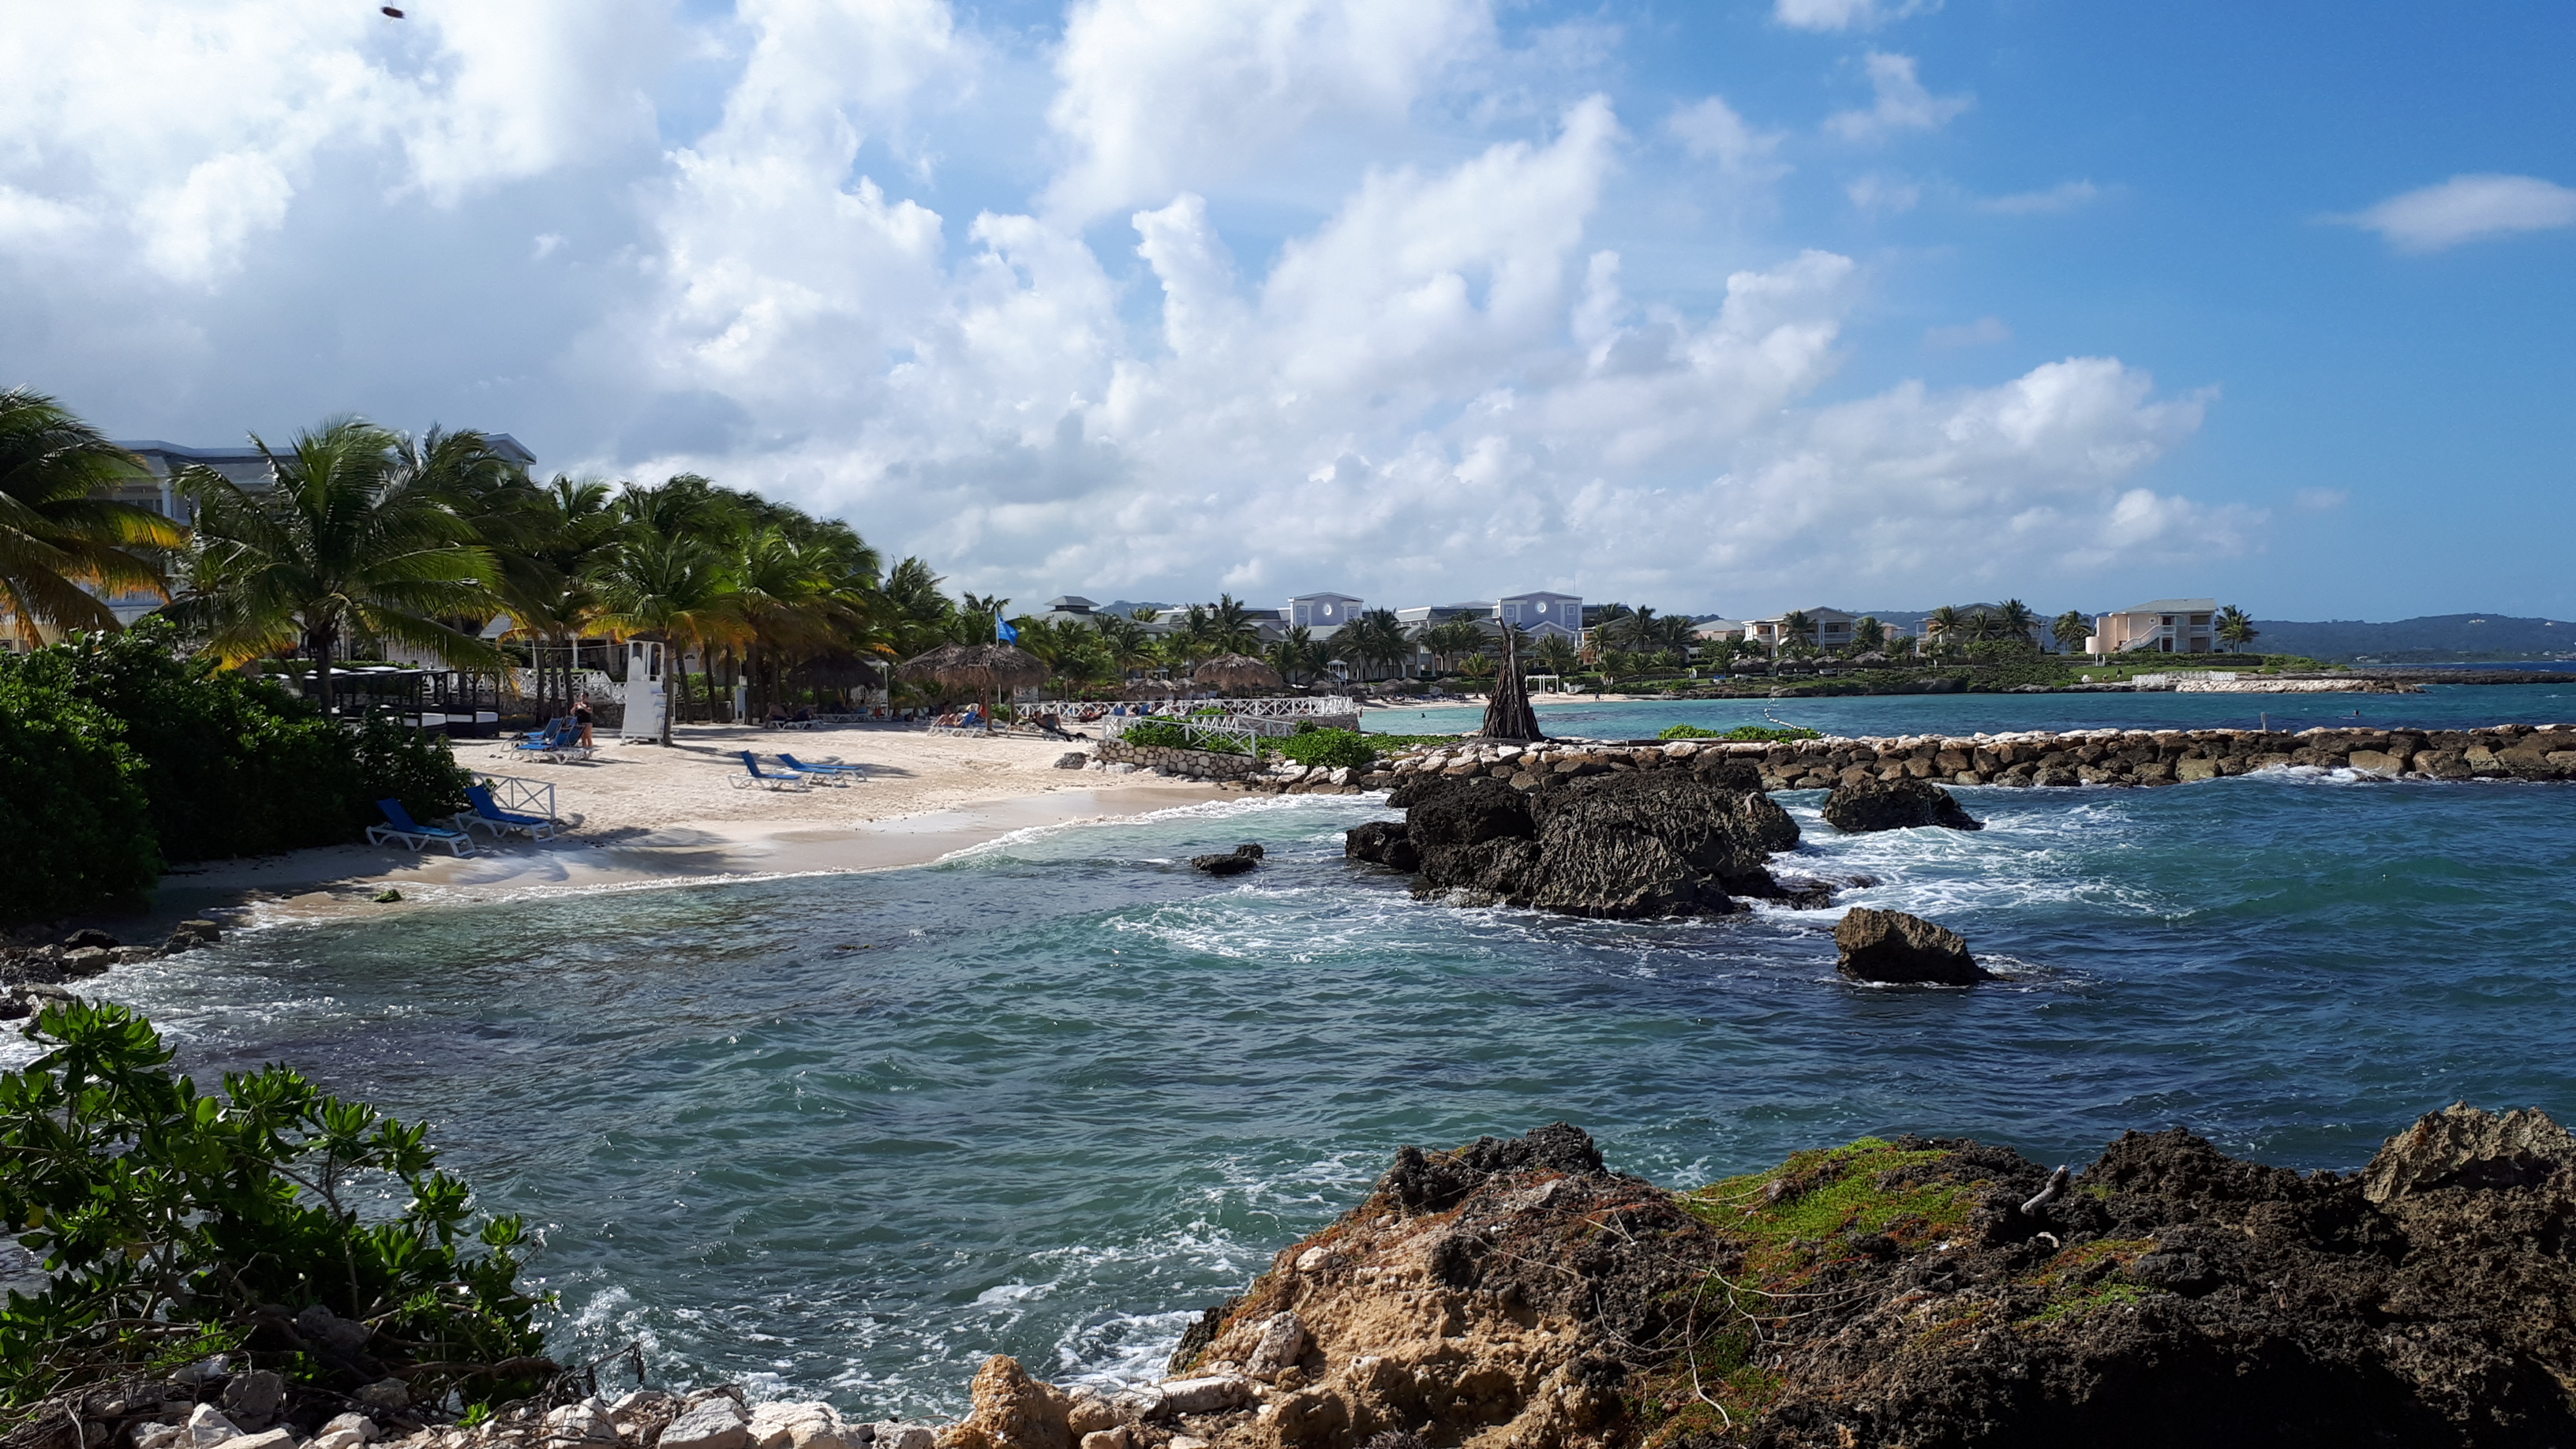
848, 1135
2440, 706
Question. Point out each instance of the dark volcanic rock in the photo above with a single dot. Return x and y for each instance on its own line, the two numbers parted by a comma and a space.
1233, 862
1895, 805
1383, 842
1897, 1292
1622, 845
89, 938
1893, 947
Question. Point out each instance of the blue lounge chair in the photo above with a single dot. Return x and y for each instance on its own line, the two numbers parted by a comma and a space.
401, 827
760, 777
826, 770
489, 816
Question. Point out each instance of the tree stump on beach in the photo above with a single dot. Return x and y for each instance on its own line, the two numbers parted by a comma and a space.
1508, 715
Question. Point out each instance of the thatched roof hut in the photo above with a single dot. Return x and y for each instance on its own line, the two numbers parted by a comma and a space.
987, 669
1236, 671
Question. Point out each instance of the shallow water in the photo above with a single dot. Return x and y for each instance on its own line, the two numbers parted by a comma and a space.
848, 1135
2440, 706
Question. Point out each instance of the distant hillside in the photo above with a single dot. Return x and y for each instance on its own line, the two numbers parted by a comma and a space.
2429, 639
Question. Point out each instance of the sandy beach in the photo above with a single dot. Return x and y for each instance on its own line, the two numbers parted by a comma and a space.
642, 814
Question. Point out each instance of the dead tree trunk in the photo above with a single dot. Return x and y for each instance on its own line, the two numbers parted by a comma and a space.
1508, 715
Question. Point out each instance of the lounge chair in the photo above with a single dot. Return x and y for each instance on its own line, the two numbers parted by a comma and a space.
488, 816
811, 775
400, 827
831, 768
760, 777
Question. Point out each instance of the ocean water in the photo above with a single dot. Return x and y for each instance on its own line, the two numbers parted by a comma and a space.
2440, 706
847, 1135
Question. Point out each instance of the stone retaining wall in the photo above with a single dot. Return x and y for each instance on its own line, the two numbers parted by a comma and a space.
1196, 764
2079, 757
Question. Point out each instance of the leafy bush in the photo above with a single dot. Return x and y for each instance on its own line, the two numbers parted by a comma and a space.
223, 765
171, 1224
74, 819
1163, 734
1746, 734
1331, 749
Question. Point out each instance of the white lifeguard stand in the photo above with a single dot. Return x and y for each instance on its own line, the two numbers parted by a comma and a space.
648, 698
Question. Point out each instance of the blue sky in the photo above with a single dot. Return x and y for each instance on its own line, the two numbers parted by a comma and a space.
1737, 307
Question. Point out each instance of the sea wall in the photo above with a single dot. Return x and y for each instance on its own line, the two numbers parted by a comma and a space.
1196, 764
2079, 757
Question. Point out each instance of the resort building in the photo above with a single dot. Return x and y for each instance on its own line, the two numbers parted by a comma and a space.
1322, 612
1542, 614
1421, 614
2159, 626
1714, 630
1068, 609
1828, 629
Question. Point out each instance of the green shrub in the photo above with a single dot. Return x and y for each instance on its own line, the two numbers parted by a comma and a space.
1164, 734
1331, 749
221, 764
74, 819
1746, 734
170, 1225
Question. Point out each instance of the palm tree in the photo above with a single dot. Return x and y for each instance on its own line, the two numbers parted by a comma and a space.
346, 542
1229, 627
1556, 655
2014, 620
1375, 637
2071, 629
1941, 629
1449, 640
1296, 654
1868, 634
676, 590
56, 533
1797, 627
1125, 643
2236, 628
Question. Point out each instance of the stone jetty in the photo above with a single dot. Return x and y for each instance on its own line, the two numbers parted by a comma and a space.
2022, 758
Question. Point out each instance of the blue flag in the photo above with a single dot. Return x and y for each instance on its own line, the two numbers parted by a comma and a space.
1003, 633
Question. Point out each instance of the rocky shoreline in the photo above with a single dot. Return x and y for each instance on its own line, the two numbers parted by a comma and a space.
2135, 757
1924, 1292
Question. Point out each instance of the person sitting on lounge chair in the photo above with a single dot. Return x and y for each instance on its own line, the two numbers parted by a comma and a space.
777, 716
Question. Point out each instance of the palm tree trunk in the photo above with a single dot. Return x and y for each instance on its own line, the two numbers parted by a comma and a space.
676, 687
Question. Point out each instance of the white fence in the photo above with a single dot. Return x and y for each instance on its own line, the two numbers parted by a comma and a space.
520, 796
1233, 732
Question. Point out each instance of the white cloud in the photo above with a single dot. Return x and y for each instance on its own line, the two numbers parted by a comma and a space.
1712, 129
1441, 381
2469, 208
1883, 194
2063, 197
1844, 14
1901, 103
193, 130
1983, 332
1161, 96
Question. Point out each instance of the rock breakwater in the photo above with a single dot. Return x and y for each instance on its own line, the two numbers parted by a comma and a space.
2033, 758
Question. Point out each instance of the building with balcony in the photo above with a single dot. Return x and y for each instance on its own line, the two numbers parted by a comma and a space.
2158, 626
1828, 629
1542, 614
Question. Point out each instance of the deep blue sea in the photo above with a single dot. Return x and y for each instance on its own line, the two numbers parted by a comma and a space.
847, 1135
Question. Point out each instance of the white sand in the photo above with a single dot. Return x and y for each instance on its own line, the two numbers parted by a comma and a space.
640, 814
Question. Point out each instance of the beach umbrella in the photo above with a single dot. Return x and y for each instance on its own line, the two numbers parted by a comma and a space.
987, 669
1237, 671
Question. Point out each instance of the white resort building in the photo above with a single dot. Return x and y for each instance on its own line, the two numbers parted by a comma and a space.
2158, 626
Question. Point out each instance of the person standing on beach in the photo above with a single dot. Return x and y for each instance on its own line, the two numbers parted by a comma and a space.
581, 719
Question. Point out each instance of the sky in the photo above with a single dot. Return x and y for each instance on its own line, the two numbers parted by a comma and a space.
1725, 307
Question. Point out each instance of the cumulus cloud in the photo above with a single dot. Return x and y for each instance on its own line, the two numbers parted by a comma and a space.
1158, 96
1844, 14
1713, 130
1443, 381
2467, 209
1901, 103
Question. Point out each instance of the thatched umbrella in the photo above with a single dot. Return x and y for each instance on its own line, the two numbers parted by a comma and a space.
988, 669
1236, 671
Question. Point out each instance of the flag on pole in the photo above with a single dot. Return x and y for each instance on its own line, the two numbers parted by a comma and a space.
1003, 633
